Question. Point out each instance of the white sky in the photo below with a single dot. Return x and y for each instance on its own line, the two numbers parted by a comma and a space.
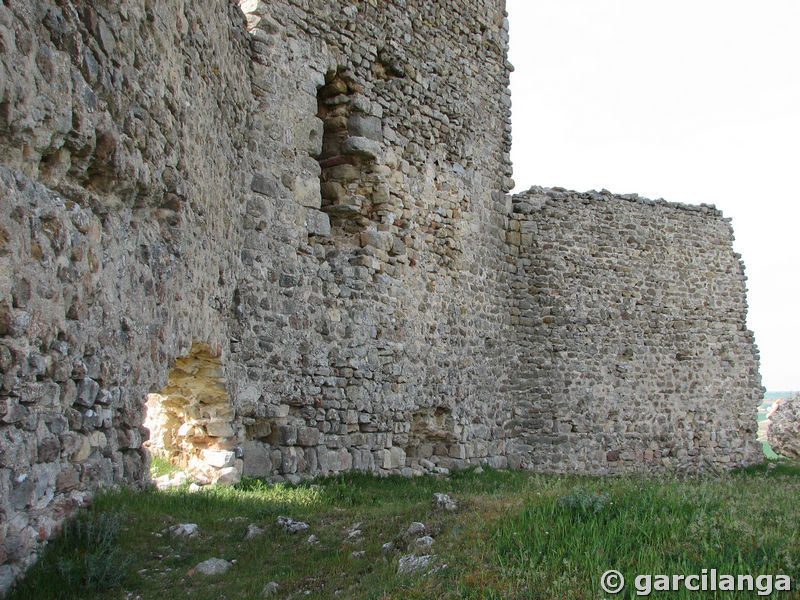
690, 101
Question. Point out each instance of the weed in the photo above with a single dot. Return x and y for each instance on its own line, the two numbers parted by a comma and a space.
85, 558
95, 561
582, 505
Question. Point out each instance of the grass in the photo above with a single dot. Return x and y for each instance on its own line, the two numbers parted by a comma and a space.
162, 466
515, 535
768, 451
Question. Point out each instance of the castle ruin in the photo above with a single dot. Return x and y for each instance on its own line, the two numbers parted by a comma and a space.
285, 229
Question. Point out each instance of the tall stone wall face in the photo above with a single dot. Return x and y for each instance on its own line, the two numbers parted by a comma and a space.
311, 194
121, 204
634, 350
374, 296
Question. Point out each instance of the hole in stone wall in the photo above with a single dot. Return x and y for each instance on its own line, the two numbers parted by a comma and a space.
191, 421
432, 432
350, 144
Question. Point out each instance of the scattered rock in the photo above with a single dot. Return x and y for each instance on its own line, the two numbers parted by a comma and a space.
478, 470
387, 547
443, 501
354, 531
312, 540
414, 530
213, 566
358, 554
411, 563
292, 526
229, 476
424, 542
270, 589
253, 531
185, 530
171, 480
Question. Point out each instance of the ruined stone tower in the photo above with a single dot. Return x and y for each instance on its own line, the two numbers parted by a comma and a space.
285, 228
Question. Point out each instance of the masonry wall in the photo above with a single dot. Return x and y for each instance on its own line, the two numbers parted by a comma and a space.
288, 223
121, 192
634, 354
162, 177
373, 292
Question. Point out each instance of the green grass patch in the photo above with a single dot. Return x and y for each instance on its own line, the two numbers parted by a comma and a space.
562, 543
768, 451
515, 535
162, 466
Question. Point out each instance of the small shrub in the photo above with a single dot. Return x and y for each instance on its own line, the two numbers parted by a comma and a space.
582, 505
90, 558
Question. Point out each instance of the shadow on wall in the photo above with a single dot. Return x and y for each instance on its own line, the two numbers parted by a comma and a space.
191, 421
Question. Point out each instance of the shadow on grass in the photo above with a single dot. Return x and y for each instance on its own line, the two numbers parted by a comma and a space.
515, 530
223, 515
777, 467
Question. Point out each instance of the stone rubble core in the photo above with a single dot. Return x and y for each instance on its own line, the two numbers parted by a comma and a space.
285, 228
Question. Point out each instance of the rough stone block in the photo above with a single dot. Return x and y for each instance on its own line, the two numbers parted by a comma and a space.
283, 435
87, 392
219, 429
307, 191
308, 136
43, 393
277, 411
266, 185
339, 460
219, 458
394, 458
256, 459
308, 436
383, 240
318, 223
361, 146
365, 126
83, 449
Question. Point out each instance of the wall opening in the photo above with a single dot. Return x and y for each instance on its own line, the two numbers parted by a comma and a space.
432, 433
191, 421
351, 191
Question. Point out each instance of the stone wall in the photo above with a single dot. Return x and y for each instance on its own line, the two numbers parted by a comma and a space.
286, 227
122, 191
161, 191
373, 289
633, 348
783, 427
